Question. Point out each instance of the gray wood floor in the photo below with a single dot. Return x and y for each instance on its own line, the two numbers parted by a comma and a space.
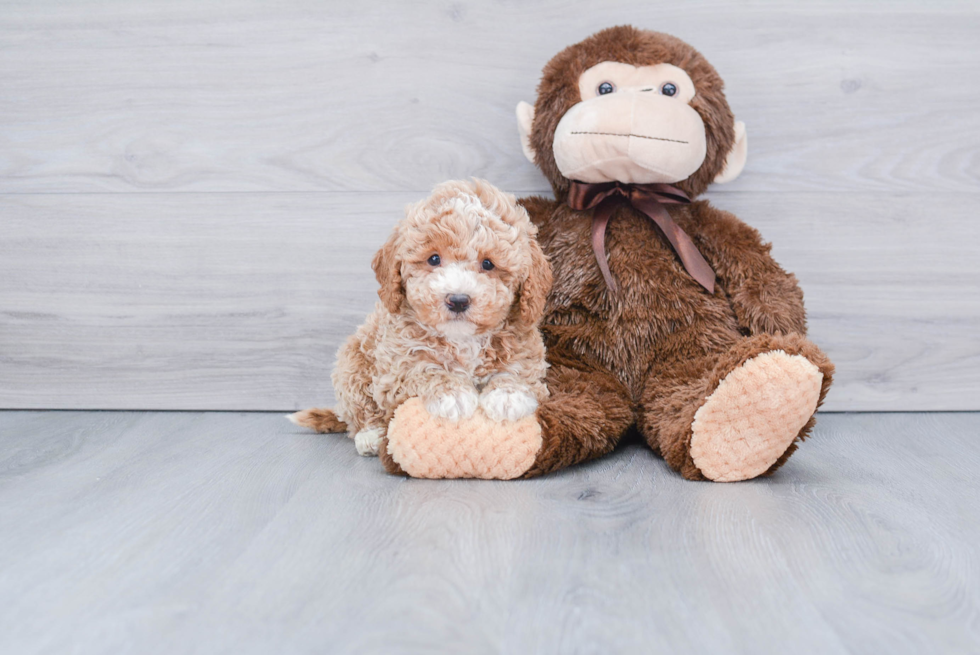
211, 532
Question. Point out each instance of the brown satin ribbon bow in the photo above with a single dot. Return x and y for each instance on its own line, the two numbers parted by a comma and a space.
649, 199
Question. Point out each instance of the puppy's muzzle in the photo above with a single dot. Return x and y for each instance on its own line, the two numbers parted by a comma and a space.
458, 303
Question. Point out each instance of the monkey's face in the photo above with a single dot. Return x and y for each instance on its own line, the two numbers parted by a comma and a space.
632, 106
633, 125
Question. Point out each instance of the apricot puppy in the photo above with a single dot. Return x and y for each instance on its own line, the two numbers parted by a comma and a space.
463, 288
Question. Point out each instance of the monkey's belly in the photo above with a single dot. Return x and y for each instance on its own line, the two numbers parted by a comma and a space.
659, 311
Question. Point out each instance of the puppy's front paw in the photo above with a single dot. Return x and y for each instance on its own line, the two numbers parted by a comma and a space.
367, 442
505, 405
455, 406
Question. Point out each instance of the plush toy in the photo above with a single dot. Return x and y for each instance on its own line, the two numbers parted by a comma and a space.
666, 314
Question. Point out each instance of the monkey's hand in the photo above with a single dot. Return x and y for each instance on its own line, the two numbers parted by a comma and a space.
424, 446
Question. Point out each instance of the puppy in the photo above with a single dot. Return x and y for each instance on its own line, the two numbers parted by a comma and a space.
463, 288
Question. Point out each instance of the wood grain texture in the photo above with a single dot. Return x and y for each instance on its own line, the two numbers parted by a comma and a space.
183, 301
247, 96
240, 301
190, 192
182, 532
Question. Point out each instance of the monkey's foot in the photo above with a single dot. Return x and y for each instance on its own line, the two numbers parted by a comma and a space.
426, 446
754, 416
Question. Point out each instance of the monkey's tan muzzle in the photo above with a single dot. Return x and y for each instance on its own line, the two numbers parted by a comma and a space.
634, 137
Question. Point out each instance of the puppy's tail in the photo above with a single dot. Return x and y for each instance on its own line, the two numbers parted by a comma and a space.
321, 420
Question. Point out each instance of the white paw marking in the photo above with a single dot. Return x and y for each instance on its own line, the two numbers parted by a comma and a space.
454, 406
504, 405
367, 442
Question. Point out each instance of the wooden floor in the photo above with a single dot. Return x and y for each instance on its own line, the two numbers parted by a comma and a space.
219, 532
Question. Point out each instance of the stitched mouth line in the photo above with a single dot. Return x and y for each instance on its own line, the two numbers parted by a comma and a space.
638, 136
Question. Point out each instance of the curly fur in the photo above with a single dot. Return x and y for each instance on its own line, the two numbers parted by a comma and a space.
413, 345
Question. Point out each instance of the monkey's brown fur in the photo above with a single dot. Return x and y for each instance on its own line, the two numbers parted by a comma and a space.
651, 354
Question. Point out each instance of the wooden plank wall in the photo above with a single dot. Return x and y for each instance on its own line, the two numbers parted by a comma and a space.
190, 192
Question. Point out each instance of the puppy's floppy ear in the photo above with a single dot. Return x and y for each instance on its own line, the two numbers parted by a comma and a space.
387, 269
533, 291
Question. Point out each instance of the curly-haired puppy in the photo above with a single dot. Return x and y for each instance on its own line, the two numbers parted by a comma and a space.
463, 287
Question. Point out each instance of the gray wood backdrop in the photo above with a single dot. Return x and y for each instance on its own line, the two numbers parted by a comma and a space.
190, 192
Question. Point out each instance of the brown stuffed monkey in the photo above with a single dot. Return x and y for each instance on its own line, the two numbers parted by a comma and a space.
667, 314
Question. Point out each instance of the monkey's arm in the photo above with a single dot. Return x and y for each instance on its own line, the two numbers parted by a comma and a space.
766, 299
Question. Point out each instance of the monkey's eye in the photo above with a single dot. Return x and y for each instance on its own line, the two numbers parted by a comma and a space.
668, 89
487, 265
434, 260
604, 88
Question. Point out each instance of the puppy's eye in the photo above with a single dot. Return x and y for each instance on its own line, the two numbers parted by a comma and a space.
434, 260
604, 88
669, 89
488, 265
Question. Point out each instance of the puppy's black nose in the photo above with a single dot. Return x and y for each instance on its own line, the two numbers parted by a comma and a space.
458, 303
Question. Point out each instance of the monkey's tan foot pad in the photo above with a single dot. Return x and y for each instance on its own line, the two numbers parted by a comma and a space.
425, 446
754, 415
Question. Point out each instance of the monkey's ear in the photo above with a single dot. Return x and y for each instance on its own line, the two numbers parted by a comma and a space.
736, 158
387, 269
525, 118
